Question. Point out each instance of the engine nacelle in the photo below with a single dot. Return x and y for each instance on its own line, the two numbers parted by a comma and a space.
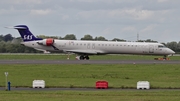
47, 42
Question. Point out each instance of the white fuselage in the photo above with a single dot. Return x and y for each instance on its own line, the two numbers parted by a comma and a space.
103, 47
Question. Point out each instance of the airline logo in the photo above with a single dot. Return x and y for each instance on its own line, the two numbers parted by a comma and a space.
28, 37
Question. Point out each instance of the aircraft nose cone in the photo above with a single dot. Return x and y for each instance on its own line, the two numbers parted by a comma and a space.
171, 51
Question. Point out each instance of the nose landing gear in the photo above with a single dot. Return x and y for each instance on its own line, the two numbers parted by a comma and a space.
165, 57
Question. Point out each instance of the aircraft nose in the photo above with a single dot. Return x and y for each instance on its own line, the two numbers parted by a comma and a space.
173, 52
170, 51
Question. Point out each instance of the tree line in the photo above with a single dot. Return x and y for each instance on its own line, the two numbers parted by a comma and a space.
9, 44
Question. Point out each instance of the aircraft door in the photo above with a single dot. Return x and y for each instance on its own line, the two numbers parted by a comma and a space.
146, 49
151, 49
88, 46
93, 46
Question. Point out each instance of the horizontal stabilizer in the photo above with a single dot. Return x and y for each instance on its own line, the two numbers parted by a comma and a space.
16, 27
20, 28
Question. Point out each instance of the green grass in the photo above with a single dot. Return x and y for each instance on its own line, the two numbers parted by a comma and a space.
72, 57
90, 96
85, 75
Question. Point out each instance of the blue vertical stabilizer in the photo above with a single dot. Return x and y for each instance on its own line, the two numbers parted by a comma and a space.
25, 33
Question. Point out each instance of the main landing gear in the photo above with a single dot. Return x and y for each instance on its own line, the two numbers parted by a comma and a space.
82, 57
79, 57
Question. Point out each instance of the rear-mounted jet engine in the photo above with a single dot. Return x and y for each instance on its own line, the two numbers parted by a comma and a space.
46, 42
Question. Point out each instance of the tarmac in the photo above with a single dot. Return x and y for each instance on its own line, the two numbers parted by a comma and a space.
89, 62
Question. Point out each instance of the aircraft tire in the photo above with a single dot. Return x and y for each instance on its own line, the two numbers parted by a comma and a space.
87, 57
81, 57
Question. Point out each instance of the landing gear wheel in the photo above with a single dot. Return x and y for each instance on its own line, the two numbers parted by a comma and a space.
165, 57
87, 57
81, 57
84, 57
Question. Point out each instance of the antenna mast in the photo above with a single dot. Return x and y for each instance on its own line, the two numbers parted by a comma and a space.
137, 36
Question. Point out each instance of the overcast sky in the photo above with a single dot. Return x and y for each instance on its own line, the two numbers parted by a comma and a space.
158, 20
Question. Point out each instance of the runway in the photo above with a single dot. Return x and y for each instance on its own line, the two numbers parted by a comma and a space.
89, 62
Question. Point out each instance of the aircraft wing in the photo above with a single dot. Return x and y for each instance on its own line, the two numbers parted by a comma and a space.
93, 52
39, 49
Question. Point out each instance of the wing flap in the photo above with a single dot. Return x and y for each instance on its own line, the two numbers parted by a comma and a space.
85, 51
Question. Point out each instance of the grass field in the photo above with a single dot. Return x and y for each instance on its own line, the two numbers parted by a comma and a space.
90, 96
72, 57
85, 75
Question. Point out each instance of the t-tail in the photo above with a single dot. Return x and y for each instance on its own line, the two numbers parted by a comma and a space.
25, 33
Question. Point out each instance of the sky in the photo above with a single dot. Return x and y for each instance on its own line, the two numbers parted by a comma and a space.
157, 20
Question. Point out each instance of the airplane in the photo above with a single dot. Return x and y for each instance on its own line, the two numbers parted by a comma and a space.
85, 48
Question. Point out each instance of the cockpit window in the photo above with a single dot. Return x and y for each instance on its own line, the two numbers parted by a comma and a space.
161, 46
